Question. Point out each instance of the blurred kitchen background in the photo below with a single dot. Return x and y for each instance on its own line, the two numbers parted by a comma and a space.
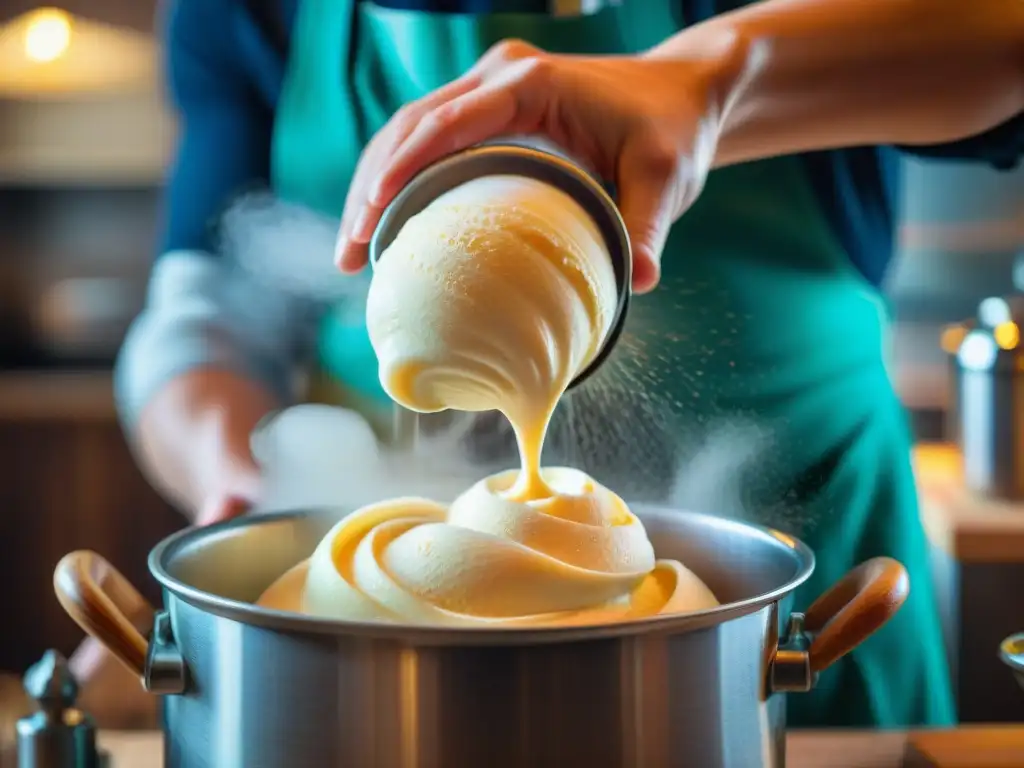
84, 137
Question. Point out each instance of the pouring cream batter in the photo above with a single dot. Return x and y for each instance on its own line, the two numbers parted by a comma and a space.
493, 298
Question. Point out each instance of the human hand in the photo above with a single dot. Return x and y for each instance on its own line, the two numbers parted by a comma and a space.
648, 123
232, 485
225, 506
193, 441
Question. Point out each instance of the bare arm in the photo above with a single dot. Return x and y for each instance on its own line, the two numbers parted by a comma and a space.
838, 73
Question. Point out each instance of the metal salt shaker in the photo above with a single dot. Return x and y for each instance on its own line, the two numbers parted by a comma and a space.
531, 157
59, 735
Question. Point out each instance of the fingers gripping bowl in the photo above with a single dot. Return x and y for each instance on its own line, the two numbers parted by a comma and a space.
577, 557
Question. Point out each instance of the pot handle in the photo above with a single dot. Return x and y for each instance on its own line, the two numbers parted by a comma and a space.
105, 604
853, 609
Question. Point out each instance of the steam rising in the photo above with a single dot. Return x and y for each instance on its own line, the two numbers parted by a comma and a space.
288, 248
625, 426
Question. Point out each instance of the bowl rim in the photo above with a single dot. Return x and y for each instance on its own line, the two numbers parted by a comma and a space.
250, 614
522, 156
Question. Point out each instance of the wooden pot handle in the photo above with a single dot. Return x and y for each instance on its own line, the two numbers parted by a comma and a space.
852, 610
103, 603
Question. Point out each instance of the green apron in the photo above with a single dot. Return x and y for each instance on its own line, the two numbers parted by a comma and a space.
760, 319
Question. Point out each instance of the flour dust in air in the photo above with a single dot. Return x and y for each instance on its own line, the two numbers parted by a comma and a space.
634, 426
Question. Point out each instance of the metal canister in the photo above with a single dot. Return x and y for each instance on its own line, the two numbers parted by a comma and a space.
536, 159
59, 735
989, 386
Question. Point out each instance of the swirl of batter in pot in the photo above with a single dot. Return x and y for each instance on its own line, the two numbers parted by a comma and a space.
577, 557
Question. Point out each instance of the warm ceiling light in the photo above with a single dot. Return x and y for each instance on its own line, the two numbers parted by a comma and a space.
49, 52
47, 34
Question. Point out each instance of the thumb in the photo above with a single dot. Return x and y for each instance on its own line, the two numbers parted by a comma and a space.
646, 206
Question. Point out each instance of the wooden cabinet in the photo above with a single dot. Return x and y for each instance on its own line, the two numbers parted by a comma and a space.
68, 482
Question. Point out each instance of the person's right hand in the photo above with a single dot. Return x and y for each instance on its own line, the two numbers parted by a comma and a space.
649, 123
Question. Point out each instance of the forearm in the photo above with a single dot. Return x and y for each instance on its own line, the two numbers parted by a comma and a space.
837, 73
209, 356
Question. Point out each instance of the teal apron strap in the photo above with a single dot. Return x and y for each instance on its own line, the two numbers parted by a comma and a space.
318, 130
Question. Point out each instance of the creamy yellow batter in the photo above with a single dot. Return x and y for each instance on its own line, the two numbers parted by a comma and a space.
493, 298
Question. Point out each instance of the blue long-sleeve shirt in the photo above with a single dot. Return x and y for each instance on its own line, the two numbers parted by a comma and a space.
226, 66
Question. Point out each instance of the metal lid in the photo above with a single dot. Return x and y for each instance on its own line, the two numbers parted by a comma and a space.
535, 159
58, 735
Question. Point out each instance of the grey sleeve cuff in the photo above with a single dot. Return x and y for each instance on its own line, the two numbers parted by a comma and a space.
202, 313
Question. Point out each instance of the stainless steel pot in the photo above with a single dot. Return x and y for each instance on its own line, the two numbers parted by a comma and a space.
250, 688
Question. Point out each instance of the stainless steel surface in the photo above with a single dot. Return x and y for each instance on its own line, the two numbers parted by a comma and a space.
791, 671
989, 387
58, 735
273, 690
521, 157
268, 689
165, 672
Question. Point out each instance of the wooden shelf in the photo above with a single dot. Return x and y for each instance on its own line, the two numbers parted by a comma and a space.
105, 139
56, 395
73, 169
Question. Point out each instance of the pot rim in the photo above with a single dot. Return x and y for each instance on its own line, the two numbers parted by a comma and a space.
249, 613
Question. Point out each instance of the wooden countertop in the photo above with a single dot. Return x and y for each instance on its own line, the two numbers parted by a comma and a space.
968, 747
969, 527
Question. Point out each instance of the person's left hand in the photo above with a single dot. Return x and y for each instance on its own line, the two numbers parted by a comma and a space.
649, 124
219, 508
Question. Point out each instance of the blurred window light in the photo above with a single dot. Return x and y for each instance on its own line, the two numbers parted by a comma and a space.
47, 35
